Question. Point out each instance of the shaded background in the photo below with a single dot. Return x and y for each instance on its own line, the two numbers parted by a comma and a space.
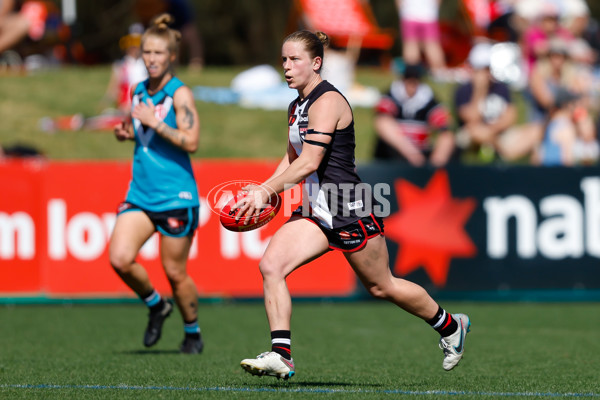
234, 32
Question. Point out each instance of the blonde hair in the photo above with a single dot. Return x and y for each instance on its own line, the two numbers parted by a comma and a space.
314, 43
160, 28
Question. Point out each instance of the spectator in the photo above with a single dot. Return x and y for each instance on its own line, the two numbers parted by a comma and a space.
556, 70
536, 39
420, 32
411, 125
183, 13
14, 25
575, 16
484, 106
126, 72
576, 19
569, 135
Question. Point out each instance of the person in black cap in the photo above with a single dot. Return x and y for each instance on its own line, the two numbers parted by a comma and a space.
412, 126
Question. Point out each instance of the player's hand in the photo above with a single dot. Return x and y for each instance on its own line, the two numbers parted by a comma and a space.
252, 203
123, 131
145, 113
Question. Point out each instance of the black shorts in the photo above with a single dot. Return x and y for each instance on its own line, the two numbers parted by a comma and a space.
179, 222
351, 237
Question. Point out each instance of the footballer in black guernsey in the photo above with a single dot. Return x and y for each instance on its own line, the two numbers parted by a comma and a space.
334, 197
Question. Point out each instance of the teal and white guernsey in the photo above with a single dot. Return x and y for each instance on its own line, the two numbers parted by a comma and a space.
162, 177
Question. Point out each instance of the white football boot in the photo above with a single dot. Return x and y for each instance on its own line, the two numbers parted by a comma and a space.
453, 346
271, 364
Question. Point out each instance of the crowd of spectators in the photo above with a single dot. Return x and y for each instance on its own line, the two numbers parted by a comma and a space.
545, 113
550, 117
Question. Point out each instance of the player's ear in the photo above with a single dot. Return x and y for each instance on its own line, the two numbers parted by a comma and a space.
317, 62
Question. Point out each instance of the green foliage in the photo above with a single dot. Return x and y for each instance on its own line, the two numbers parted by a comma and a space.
342, 351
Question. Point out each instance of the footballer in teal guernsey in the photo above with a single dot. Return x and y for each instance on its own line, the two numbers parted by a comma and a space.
339, 216
162, 195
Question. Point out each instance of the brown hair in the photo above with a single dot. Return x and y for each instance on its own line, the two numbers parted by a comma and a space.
160, 28
314, 43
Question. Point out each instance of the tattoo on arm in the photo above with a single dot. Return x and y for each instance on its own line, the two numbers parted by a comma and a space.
189, 117
172, 134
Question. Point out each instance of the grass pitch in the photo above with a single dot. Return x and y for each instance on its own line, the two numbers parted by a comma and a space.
362, 350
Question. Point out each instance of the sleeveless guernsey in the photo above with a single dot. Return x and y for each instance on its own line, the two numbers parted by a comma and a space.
162, 177
336, 195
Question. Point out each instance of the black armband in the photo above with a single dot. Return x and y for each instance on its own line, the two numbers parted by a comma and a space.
315, 143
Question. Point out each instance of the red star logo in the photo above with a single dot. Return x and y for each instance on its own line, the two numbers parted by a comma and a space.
429, 227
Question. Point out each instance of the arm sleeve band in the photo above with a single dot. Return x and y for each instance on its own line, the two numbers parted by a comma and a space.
315, 143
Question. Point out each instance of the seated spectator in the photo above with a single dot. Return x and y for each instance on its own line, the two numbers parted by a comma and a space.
411, 125
569, 135
555, 71
536, 39
484, 107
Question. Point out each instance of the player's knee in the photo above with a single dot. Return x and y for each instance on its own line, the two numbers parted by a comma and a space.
175, 275
378, 291
270, 268
121, 262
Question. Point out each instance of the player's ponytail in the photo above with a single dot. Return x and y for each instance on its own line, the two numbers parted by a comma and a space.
323, 38
160, 27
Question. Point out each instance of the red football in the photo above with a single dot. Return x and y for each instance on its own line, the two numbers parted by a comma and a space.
227, 216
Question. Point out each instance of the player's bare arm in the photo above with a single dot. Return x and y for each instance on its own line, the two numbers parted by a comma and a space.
326, 113
325, 116
186, 136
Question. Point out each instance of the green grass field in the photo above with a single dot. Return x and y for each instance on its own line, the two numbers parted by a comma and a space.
355, 350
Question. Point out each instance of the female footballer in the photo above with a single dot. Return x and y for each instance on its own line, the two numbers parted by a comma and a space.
162, 193
320, 154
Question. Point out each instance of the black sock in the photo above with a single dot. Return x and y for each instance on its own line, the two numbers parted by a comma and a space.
191, 329
281, 343
443, 323
154, 301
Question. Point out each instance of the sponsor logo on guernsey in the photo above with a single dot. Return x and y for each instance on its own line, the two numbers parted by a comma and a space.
355, 205
161, 110
185, 195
